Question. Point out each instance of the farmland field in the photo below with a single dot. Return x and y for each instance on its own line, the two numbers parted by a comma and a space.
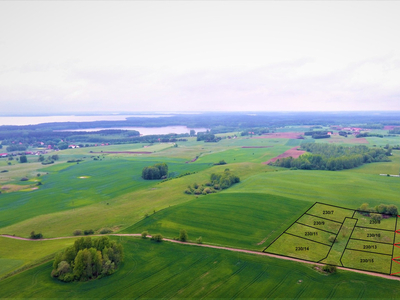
106, 191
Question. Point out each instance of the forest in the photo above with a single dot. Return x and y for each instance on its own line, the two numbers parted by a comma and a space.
333, 158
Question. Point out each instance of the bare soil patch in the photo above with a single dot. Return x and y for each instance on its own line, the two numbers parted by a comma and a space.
124, 152
256, 147
280, 135
293, 152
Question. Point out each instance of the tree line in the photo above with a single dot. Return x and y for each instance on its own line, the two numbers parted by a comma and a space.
333, 157
88, 259
217, 182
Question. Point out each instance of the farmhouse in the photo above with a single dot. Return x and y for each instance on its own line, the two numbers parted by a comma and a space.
3, 154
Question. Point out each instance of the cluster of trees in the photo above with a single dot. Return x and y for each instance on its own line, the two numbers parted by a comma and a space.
379, 210
207, 137
319, 134
395, 130
217, 182
367, 134
332, 157
157, 171
88, 259
18, 147
221, 162
254, 131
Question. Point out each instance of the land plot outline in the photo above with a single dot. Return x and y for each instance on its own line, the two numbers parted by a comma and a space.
342, 237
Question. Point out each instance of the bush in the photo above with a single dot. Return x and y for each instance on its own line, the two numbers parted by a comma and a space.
144, 234
24, 179
77, 232
199, 240
36, 236
105, 231
329, 269
3, 171
183, 236
157, 237
88, 232
332, 239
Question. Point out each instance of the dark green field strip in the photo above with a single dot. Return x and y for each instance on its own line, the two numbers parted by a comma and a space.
362, 260
167, 270
341, 241
243, 220
375, 235
330, 212
320, 223
370, 246
310, 233
384, 224
294, 246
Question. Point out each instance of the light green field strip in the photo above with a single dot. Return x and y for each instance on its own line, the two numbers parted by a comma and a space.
373, 235
340, 242
365, 221
370, 246
330, 212
16, 254
320, 223
293, 246
309, 233
366, 261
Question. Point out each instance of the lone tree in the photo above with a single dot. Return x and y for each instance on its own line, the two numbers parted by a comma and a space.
183, 236
23, 159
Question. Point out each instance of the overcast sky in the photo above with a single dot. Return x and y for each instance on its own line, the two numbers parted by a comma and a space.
197, 56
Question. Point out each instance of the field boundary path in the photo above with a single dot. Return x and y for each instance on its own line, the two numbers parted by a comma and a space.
217, 247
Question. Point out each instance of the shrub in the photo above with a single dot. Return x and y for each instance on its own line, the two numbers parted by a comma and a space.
105, 231
329, 269
77, 232
332, 239
88, 232
183, 236
187, 191
144, 234
199, 240
3, 171
36, 236
157, 237
24, 179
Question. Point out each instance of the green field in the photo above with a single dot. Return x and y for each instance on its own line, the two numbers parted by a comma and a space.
177, 271
110, 193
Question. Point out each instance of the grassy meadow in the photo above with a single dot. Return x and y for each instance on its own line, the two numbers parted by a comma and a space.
109, 193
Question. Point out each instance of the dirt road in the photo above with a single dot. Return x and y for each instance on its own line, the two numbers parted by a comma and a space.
221, 248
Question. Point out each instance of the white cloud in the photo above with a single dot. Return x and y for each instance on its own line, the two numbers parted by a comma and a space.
229, 55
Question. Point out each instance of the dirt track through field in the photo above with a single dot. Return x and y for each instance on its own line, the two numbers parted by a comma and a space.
217, 247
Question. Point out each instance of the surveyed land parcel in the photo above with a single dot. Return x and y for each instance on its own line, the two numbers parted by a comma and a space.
342, 237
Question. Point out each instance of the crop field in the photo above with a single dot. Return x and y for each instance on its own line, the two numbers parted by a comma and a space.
368, 245
268, 209
225, 219
170, 270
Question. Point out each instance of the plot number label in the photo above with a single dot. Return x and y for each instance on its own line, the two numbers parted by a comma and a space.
319, 222
373, 235
375, 222
311, 233
302, 248
370, 247
366, 260
328, 212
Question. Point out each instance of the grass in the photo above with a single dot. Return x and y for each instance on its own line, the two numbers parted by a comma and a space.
65, 190
16, 254
168, 270
226, 219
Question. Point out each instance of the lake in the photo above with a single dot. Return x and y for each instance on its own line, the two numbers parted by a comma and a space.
147, 130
